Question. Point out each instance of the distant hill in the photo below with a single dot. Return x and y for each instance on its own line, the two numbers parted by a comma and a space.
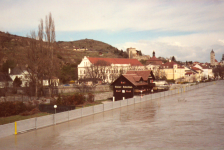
14, 47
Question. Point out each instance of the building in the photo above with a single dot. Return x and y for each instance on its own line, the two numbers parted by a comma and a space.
133, 83
213, 61
80, 49
5, 80
222, 60
207, 70
192, 74
131, 52
153, 63
107, 69
136, 54
22, 73
54, 81
172, 70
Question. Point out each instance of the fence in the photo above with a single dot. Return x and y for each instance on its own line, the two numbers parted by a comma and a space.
39, 122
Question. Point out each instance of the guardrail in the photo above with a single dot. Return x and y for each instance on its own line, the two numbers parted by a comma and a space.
40, 122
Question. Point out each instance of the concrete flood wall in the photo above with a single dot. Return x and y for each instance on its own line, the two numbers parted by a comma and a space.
40, 122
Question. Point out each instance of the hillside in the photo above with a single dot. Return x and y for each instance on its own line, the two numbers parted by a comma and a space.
71, 50
14, 47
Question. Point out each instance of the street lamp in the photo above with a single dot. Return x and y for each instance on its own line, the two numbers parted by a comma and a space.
55, 106
141, 94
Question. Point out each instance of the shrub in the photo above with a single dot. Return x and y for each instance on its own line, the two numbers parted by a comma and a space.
25, 113
75, 99
14, 108
90, 97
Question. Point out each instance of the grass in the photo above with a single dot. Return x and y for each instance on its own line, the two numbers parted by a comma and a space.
10, 119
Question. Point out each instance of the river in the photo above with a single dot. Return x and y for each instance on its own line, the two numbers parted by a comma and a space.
191, 120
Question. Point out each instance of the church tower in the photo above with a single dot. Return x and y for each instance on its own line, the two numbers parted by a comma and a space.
153, 54
212, 58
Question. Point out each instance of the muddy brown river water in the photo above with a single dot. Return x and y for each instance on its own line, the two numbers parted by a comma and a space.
191, 120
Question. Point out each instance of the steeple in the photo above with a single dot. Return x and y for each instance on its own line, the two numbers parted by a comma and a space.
212, 58
153, 53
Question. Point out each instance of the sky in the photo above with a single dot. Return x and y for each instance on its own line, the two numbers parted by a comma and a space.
186, 29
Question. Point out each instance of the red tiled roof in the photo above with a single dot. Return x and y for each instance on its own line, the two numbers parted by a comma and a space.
188, 73
137, 78
133, 62
154, 60
170, 65
203, 66
216, 60
134, 79
195, 68
143, 74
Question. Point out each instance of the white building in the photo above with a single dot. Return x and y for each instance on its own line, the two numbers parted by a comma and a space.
22, 73
109, 68
207, 71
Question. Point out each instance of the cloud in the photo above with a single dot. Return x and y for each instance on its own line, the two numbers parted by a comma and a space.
199, 24
114, 15
194, 47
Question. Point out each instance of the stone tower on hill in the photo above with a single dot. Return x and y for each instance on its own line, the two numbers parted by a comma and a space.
131, 52
136, 54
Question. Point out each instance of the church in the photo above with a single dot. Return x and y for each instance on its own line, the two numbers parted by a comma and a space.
213, 61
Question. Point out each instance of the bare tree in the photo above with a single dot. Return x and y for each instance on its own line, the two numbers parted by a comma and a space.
41, 60
159, 74
93, 74
98, 70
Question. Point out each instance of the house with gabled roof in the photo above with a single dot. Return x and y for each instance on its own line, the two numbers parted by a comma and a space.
192, 74
110, 69
22, 73
207, 70
133, 83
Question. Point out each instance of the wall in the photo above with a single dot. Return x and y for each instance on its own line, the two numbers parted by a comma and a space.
103, 96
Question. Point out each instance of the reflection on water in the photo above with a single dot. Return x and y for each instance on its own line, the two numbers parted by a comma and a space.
193, 119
